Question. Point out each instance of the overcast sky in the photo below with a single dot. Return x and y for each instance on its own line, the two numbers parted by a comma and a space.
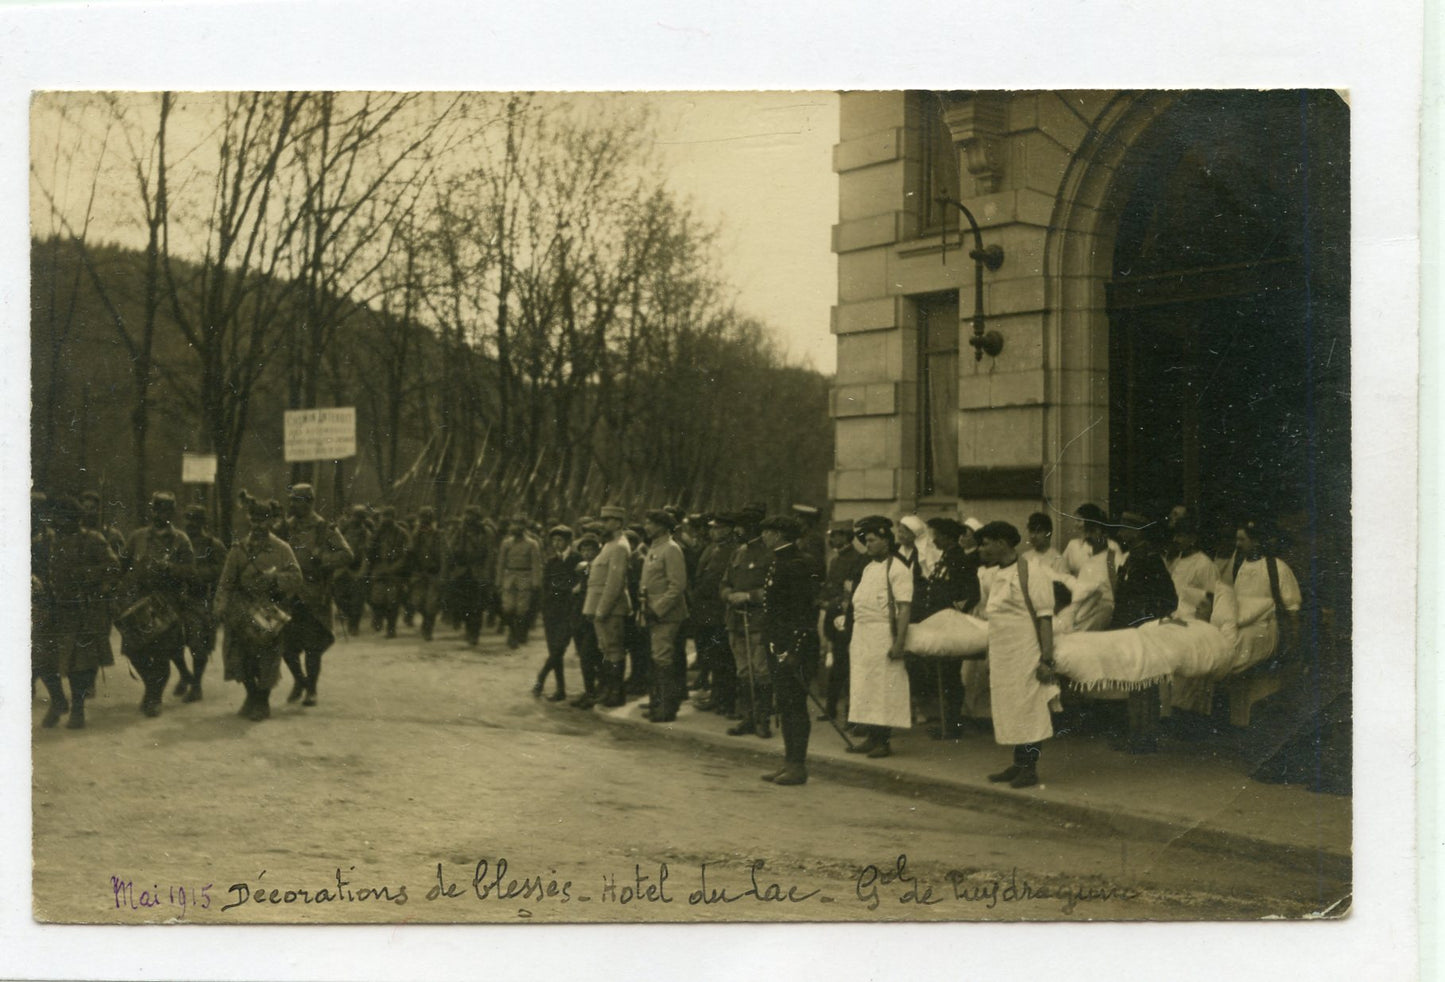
761, 165
756, 165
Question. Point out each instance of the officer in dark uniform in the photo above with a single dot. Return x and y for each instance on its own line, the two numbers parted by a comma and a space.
742, 591
198, 618
320, 551
811, 542
469, 571
790, 597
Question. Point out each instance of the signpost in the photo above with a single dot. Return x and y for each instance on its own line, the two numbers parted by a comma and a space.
320, 434
198, 468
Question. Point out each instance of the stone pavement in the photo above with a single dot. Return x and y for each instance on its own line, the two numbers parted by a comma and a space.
1186, 790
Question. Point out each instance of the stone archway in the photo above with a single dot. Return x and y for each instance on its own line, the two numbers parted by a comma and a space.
1078, 263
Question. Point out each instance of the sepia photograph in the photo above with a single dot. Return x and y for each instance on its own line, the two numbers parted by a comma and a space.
830, 520
404, 457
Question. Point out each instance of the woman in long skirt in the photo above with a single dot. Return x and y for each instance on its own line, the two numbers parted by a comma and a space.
1020, 653
877, 676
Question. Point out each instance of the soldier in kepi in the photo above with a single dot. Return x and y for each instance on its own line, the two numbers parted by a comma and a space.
320, 551
663, 605
424, 560
469, 571
519, 574
74, 639
198, 619
156, 565
348, 586
386, 569
260, 571
790, 597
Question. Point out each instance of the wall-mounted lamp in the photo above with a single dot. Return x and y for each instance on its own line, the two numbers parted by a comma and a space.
984, 342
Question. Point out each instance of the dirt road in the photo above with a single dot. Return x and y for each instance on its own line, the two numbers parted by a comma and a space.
427, 756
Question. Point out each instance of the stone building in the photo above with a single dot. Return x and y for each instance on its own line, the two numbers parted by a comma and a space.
1172, 301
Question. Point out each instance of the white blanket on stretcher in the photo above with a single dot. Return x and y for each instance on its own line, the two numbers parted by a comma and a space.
1142, 656
948, 634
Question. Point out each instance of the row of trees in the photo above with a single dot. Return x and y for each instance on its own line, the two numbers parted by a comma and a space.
522, 311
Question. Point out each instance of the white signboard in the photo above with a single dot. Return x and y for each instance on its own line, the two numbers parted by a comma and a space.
320, 434
198, 468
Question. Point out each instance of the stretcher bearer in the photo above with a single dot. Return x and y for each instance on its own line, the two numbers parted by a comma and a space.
1020, 611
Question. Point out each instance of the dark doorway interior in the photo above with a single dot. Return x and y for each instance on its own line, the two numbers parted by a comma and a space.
1229, 343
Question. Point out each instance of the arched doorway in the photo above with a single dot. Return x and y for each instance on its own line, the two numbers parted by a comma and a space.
1228, 310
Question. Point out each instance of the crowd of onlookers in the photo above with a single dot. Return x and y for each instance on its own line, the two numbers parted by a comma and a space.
738, 612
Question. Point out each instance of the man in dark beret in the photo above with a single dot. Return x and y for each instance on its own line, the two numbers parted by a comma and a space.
790, 596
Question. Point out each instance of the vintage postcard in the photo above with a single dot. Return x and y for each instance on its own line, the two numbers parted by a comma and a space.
805, 505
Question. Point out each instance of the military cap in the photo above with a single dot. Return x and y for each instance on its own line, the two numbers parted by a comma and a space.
663, 517
1000, 532
751, 514
358, 510
676, 511
805, 511
257, 506
613, 511
840, 525
595, 529
196, 512
873, 525
726, 518
163, 498
561, 530
588, 539
585, 520
789, 526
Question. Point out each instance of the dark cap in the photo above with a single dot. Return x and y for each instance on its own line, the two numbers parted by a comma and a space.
163, 498
589, 540
613, 511
751, 514
196, 513
1091, 512
789, 526
1000, 532
873, 525
663, 517
303, 491
723, 519
561, 530
947, 527
841, 525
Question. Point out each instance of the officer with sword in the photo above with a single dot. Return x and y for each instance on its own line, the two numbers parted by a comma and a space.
790, 597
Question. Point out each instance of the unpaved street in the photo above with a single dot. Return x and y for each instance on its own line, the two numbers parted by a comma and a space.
427, 754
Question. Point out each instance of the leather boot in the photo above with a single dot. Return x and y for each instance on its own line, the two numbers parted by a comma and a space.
664, 708
792, 774
613, 695
77, 715
763, 713
745, 711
